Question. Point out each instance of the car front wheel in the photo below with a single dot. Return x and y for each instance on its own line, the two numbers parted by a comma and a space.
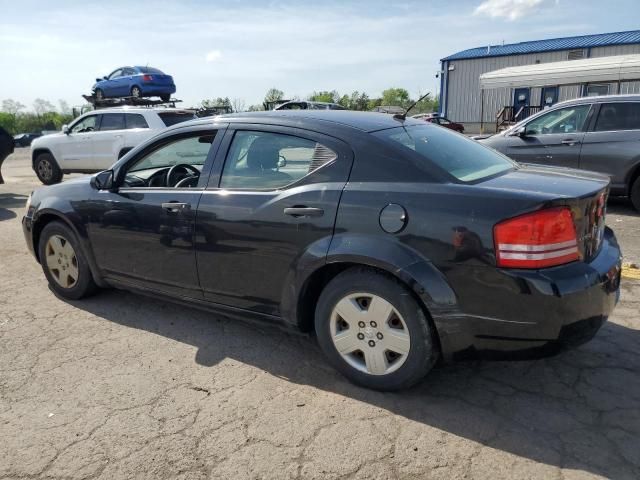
63, 262
136, 92
47, 169
373, 331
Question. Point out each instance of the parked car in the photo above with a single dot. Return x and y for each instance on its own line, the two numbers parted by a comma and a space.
135, 82
98, 138
25, 139
601, 134
439, 120
308, 105
396, 241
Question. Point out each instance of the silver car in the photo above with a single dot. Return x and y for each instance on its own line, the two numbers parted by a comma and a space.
601, 134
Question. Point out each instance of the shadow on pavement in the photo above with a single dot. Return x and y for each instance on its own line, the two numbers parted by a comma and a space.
579, 410
8, 201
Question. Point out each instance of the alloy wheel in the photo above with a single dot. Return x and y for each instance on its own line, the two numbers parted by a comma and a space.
135, 92
62, 261
45, 170
369, 333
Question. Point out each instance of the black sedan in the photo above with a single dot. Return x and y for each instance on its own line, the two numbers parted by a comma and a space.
397, 242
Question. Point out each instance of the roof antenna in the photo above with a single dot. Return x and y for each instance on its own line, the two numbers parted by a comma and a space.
403, 116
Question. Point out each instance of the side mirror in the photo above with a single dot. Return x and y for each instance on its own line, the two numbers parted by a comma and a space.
99, 79
103, 180
519, 132
65, 129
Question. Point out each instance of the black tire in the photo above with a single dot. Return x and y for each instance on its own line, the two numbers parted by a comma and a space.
422, 353
84, 284
99, 95
165, 98
634, 194
136, 92
47, 169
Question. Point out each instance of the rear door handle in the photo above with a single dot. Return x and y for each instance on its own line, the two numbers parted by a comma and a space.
570, 142
176, 206
304, 211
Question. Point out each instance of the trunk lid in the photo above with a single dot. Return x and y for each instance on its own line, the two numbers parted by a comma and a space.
584, 192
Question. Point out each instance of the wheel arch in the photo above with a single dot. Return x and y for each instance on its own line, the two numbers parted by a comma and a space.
47, 216
39, 151
634, 174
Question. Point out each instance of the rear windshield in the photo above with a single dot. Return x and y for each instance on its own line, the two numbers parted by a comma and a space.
150, 70
171, 118
465, 159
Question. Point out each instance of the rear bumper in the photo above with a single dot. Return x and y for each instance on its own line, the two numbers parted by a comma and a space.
27, 229
533, 313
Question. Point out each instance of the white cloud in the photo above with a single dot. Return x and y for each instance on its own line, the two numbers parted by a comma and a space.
509, 9
213, 55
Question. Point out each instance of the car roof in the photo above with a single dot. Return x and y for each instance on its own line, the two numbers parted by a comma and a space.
365, 121
600, 99
128, 109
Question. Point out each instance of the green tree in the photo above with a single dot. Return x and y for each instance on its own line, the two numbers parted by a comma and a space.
325, 96
396, 96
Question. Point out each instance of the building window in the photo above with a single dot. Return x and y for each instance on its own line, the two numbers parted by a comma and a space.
575, 54
595, 89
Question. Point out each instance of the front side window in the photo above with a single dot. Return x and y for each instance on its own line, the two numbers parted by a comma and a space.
463, 158
87, 124
112, 121
116, 74
618, 116
175, 164
135, 120
268, 161
564, 120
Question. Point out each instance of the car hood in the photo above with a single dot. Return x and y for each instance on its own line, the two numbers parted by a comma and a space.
45, 138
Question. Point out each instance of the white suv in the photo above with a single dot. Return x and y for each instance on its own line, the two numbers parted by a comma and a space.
95, 140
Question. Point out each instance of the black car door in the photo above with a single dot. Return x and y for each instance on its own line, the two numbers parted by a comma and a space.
553, 138
142, 233
272, 198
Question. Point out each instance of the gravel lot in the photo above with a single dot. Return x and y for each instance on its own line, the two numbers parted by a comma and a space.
122, 386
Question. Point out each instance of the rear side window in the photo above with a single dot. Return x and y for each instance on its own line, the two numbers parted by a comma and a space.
463, 158
618, 116
172, 118
135, 120
112, 121
268, 161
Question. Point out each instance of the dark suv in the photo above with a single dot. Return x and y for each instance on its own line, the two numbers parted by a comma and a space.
601, 134
396, 241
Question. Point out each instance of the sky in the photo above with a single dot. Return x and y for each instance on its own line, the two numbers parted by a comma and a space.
239, 49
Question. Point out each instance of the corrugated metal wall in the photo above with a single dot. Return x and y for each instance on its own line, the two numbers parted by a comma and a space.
464, 100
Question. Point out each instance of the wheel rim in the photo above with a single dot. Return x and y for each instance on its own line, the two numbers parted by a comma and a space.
135, 92
62, 261
45, 170
370, 334
99, 94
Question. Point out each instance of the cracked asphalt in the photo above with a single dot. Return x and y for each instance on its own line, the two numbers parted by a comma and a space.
123, 386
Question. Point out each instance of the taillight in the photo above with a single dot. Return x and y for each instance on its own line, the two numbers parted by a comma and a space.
147, 78
536, 240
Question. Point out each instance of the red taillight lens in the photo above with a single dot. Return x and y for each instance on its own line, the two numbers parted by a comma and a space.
536, 240
147, 78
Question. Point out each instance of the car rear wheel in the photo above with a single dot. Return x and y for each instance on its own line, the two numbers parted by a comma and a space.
373, 331
47, 169
63, 262
165, 98
634, 194
136, 92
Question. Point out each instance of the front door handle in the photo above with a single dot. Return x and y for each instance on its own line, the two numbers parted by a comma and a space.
304, 212
176, 206
569, 142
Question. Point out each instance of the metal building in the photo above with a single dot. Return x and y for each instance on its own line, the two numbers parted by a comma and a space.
463, 100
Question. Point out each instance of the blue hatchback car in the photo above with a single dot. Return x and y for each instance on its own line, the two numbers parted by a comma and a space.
135, 82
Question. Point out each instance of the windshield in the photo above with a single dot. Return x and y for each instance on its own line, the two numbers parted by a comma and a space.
463, 158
